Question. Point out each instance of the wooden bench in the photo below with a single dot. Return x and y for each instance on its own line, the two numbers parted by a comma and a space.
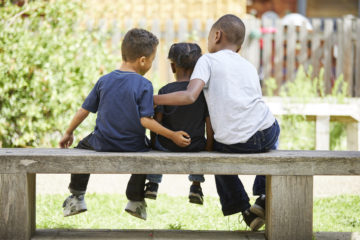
289, 202
322, 111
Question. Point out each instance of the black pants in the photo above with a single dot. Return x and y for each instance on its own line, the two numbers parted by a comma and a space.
79, 182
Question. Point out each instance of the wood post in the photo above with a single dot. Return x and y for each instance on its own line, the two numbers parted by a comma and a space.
17, 206
289, 207
290, 52
267, 50
303, 41
328, 43
315, 47
353, 135
348, 55
322, 132
357, 60
279, 55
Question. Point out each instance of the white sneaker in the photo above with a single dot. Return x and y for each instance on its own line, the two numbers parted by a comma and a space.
74, 205
137, 209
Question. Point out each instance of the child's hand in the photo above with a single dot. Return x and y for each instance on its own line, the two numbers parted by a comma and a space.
181, 138
66, 140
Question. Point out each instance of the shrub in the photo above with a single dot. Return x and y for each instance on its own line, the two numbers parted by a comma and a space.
47, 67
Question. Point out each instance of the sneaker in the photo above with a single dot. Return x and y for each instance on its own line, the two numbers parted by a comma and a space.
258, 207
196, 195
137, 209
252, 220
151, 190
74, 205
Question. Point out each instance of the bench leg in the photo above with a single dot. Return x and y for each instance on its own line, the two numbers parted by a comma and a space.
289, 207
17, 206
353, 134
322, 132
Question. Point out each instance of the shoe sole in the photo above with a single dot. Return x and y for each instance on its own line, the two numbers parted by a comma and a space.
134, 214
75, 213
256, 224
196, 200
259, 211
150, 196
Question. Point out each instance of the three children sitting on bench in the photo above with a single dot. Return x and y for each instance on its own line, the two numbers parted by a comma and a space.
240, 120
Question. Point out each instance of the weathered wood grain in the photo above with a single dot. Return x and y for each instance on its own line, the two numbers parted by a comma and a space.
303, 41
271, 163
328, 44
267, 50
171, 234
316, 50
146, 234
322, 132
348, 56
62, 234
290, 52
279, 55
17, 206
339, 47
250, 49
289, 207
357, 60
353, 136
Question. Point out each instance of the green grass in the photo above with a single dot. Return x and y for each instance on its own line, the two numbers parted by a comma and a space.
105, 211
340, 214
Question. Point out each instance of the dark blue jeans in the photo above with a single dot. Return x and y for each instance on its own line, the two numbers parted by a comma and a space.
233, 197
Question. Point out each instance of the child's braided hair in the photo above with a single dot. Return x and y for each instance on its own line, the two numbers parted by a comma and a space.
184, 55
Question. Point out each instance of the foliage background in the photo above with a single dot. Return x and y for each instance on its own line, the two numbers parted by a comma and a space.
47, 68
49, 62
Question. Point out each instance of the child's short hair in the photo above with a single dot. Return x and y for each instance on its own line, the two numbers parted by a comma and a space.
233, 28
184, 55
137, 43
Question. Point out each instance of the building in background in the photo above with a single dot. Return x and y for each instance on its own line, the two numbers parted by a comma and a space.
309, 8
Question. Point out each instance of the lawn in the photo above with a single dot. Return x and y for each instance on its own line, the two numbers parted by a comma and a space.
106, 211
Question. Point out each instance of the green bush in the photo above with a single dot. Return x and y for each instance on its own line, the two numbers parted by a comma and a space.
47, 67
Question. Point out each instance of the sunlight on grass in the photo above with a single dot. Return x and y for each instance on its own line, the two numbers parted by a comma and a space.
106, 211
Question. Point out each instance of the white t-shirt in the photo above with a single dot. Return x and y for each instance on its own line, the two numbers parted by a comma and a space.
233, 95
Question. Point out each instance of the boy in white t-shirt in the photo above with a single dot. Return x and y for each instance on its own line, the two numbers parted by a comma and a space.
241, 120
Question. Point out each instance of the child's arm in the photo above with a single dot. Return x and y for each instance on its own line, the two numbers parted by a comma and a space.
68, 137
158, 117
209, 135
179, 98
180, 138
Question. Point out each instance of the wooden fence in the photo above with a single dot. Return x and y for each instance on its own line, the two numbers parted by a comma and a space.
276, 50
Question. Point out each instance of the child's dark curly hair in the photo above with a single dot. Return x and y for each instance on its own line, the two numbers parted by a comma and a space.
137, 43
184, 55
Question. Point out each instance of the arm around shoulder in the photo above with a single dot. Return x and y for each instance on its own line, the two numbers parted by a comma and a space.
180, 98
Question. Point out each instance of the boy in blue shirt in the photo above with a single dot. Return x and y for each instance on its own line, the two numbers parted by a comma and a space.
241, 121
123, 100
